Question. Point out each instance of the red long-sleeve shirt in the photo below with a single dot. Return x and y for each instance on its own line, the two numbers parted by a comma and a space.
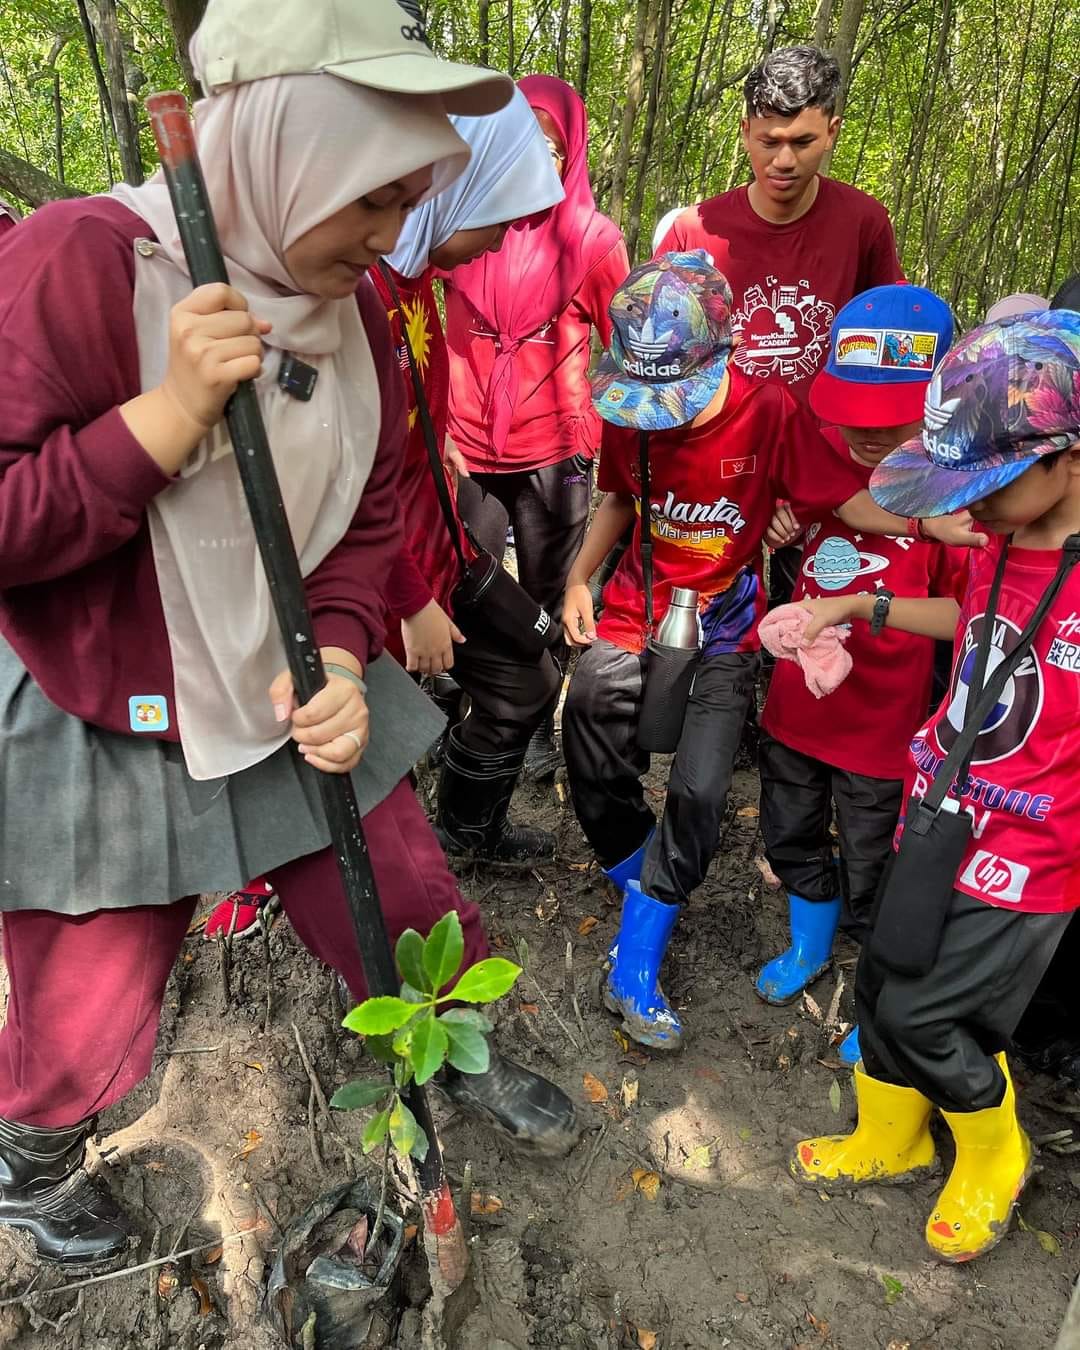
79, 598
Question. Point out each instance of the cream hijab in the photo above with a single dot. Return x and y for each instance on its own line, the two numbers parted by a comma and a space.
279, 155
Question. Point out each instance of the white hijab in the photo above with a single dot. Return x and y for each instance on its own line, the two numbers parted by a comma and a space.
510, 175
279, 156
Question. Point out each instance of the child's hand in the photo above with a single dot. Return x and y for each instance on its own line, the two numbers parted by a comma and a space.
214, 343
429, 637
830, 610
957, 530
783, 529
579, 626
331, 731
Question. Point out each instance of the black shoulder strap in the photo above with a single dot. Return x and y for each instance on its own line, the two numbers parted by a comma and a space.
958, 760
435, 463
646, 530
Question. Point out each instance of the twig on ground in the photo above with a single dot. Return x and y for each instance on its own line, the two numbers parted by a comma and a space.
152, 1289
313, 1142
320, 1098
316, 1086
587, 1166
127, 1270
197, 1049
224, 963
549, 1005
182, 1232
832, 1017
268, 1014
571, 984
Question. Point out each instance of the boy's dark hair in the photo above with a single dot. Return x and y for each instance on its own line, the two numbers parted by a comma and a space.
791, 79
1068, 296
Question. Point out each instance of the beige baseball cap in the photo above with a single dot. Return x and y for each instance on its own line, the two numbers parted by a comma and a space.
382, 44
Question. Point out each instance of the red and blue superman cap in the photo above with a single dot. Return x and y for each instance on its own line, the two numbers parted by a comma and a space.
883, 349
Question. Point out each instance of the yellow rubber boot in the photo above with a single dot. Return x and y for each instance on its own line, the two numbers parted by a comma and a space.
891, 1143
994, 1160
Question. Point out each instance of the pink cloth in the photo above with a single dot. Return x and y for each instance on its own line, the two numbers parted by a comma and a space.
825, 662
544, 259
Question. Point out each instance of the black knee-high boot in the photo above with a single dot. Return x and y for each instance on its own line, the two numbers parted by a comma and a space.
474, 799
44, 1190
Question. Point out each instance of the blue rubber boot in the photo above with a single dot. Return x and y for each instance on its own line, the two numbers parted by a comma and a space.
632, 987
848, 1051
813, 927
630, 868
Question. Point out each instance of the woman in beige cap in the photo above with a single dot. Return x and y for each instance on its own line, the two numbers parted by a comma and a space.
150, 742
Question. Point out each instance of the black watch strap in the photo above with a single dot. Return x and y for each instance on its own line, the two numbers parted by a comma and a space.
882, 603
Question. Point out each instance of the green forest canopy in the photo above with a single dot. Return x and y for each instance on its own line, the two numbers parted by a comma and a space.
962, 116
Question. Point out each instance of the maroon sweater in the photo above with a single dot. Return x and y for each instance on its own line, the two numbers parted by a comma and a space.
79, 598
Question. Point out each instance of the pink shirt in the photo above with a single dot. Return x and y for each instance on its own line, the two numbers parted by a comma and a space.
79, 598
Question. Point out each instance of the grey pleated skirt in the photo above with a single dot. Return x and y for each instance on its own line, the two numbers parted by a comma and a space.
90, 819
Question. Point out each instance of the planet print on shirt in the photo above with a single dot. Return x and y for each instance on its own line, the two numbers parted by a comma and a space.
836, 563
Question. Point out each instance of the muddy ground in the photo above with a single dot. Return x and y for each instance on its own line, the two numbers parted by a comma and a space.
673, 1224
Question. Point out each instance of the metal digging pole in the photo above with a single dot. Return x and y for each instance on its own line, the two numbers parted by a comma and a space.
175, 139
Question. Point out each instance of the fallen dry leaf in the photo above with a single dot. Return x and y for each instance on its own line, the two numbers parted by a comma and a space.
646, 1339
202, 1293
700, 1157
819, 1324
594, 1089
155, 1166
784, 1062
358, 1237
189, 957
767, 874
622, 1041
213, 1256
252, 1140
411, 1231
741, 1298
560, 792
813, 1008
648, 1183
168, 1282
577, 867
587, 924
629, 1092
531, 1008
747, 812
254, 1064
484, 1204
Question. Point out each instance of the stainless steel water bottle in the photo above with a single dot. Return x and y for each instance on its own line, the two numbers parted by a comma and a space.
671, 659
680, 626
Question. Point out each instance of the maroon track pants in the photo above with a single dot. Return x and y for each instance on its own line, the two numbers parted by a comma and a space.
86, 991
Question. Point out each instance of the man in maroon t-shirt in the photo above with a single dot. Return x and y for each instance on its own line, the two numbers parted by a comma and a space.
795, 246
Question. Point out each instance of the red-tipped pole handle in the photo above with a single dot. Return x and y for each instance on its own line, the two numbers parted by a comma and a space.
175, 137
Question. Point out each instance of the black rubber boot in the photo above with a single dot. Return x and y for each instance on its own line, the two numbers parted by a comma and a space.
542, 757
532, 1111
474, 798
446, 695
44, 1190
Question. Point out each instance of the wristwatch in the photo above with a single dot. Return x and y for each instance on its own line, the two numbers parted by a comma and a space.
882, 601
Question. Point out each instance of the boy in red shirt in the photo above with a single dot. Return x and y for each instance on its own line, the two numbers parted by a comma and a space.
848, 754
723, 448
1002, 438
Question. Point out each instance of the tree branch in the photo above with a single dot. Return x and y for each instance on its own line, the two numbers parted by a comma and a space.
19, 178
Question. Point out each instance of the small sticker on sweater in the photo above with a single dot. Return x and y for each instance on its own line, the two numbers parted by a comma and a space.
148, 712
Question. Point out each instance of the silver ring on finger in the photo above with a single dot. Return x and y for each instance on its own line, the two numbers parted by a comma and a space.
355, 736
